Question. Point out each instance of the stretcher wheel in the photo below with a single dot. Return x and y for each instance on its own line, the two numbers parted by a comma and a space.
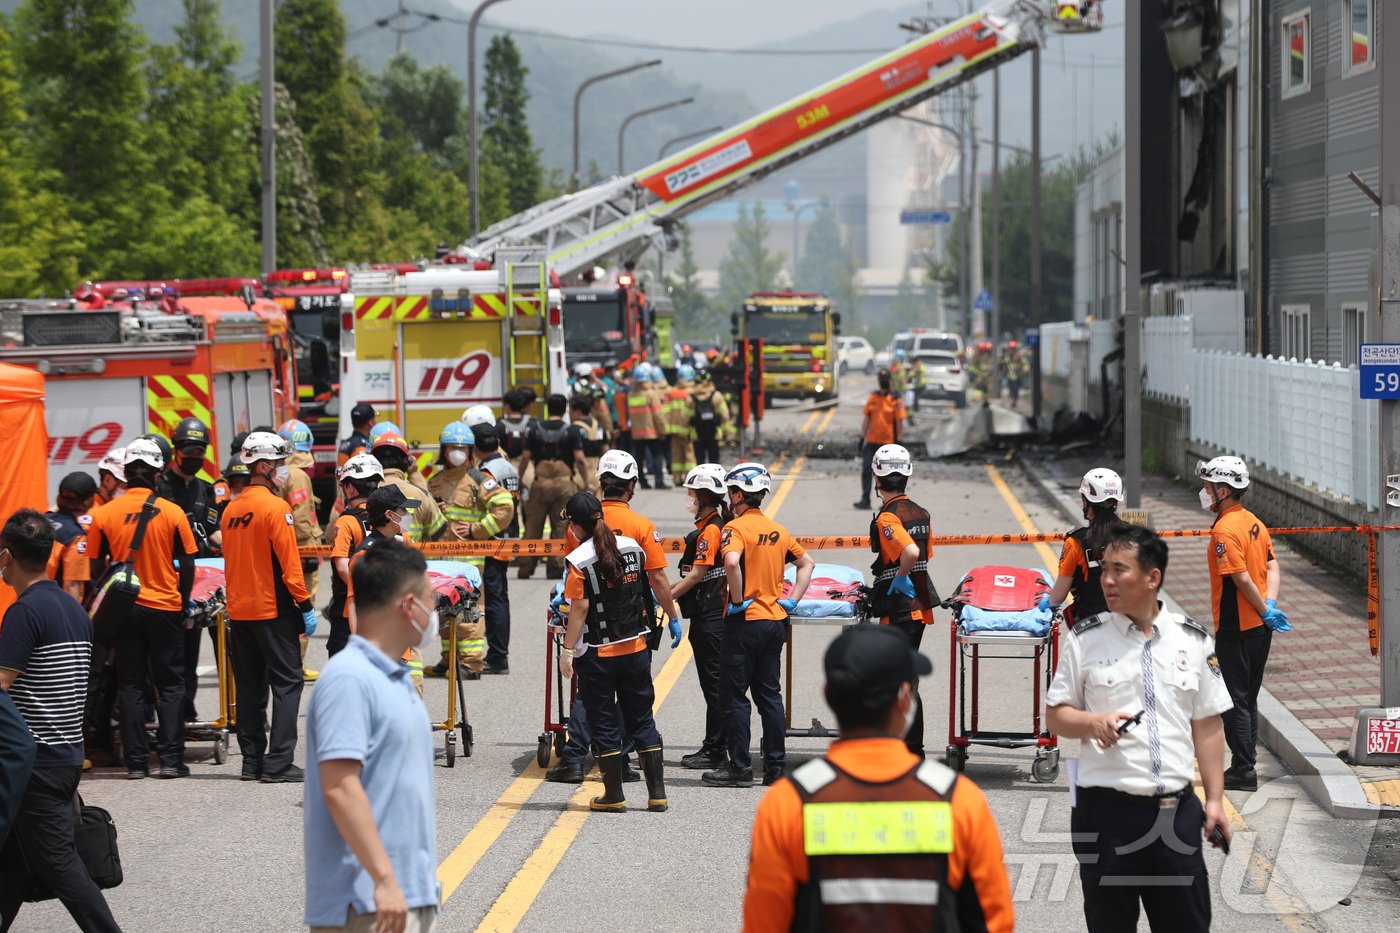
955, 757
542, 751
1044, 770
221, 749
467, 740
449, 742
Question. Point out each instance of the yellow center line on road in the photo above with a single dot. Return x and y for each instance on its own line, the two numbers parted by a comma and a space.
1288, 907
807, 424
455, 868
520, 894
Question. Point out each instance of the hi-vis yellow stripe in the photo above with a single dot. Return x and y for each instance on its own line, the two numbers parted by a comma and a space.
374, 308
878, 828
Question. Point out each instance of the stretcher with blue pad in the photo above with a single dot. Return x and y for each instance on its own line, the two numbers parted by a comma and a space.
458, 588
837, 595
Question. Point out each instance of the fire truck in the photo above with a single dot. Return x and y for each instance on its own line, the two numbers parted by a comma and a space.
127, 358
423, 343
608, 325
799, 331
315, 301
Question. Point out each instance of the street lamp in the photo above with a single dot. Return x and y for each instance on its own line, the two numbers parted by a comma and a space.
709, 130
578, 96
622, 130
474, 159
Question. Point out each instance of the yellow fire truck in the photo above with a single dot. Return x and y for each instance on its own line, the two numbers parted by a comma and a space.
799, 331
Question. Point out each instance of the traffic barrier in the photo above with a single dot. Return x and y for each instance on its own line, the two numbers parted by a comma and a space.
505, 550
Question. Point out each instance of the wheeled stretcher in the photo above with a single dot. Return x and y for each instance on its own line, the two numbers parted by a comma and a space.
837, 595
458, 588
995, 616
556, 712
211, 612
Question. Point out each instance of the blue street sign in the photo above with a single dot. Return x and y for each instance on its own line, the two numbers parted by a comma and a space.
925, 217
983, 302
1032, 337
1380, 370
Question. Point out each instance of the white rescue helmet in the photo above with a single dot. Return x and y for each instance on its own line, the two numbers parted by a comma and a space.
114, 463
478, 415
583, 370
1231, 471
617, 463
706, 476
893, 458
749, 477
144, 451
360, 466
264, 445
1100, 485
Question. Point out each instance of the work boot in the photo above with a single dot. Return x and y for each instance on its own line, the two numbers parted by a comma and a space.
1244, 779
437, 670
863, 505
728, 775
612, 800
703, 760
566, 771
655, 770
772, 773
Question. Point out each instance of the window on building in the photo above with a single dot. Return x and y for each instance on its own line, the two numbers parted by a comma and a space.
1296, 332
1360, 23
1297, 54
1353, 333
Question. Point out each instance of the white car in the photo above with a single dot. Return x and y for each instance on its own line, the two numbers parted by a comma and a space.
855, 353
919, 341
946, 377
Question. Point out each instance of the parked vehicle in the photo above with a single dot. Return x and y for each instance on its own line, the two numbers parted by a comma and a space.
855, 353
946, 375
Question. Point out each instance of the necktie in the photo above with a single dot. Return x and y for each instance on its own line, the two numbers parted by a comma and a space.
1149, 694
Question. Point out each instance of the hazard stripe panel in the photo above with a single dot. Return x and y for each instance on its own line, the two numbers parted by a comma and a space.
170, 399
373, 308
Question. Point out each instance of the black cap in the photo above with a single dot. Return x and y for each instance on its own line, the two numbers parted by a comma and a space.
388, 498
871, 661
583, 507
77, 485
362, 413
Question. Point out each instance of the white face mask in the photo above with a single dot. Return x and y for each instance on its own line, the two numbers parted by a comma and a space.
1207, 500
427, 635
691, 504
909, 716
280, 476
456, 457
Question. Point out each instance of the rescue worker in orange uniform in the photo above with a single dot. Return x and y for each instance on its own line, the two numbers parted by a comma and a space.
917, 846
70, 566
150, 647
882, 423
358, 477
111, 480
269, 610
901, 535
756, 549
1081, 559
1244, 585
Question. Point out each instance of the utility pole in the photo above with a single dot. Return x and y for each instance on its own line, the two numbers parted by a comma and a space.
1388, 556
1132, 248
269, 138
975, 203
1037, 285
473, 140
995, 374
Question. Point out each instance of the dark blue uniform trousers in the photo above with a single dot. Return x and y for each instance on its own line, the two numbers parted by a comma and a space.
752, 652
618, 696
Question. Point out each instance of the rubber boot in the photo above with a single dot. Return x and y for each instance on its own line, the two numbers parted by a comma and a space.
655, 770
612, 800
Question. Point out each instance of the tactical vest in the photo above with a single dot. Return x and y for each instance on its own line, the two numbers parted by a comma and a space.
515, 434
615, 613
335, 609
877, 854
895, 606
195, 498
551, 435
65, 530
709, 597
1088, 593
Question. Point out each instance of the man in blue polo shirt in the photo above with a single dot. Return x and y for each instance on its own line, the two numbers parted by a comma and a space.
45, 649
370, 835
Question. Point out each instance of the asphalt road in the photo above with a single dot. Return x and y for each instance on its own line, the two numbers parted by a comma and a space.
213, 853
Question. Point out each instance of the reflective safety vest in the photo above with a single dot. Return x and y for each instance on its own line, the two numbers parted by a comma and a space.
710, 596
1088, 592
615, 613
896, 606
877, 854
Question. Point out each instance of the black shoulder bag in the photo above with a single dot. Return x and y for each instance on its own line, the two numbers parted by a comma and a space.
117, 593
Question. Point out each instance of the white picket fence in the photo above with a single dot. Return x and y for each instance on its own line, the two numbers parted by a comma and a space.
1166, 358
1304, 420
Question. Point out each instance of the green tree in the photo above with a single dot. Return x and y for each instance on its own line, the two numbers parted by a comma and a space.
505, 131
828, 266
81, 69
39, 242
748, 266
423, 105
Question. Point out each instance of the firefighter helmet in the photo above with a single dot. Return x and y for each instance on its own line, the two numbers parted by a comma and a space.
264, 445
114, 463
618, 463
360, 466
1231, 471
706, 476
297, 434
391, 439
893, 458
685, 373
1101, 485
749, 477
143, 450
190, 432
167, 452
456, 434
382, 428
478, 415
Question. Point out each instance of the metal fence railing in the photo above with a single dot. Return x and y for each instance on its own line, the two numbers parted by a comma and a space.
1166, 358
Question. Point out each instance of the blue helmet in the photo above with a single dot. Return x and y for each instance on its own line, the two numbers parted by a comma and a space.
382, 428
685, 372
297, 434
456, 434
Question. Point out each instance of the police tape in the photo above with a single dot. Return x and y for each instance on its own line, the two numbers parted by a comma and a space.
509, 549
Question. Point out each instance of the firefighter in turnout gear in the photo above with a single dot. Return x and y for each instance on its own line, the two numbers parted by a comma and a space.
611, 613
869, 837
709, 419
391, 450
593, 394
677, 411
455, 443
557, 455
480, 509
358, 477
901, 535
495, 582
644, 417
1081, 559
296, 492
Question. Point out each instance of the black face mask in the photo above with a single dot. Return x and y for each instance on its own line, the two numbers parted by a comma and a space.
190, 466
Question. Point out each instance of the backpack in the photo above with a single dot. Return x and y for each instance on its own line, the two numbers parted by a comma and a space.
705, 421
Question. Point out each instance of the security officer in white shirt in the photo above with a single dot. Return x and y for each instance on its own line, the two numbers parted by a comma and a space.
1142, 686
